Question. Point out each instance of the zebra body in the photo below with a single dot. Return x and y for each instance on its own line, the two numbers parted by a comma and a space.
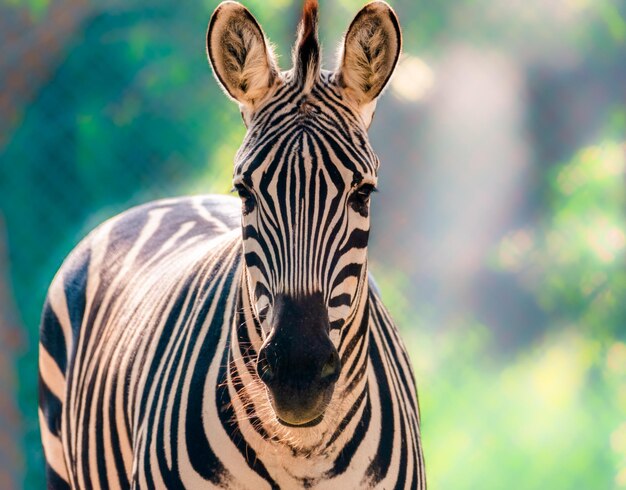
158, 407
177, 351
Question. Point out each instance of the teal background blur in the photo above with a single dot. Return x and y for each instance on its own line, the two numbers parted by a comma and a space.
498, 237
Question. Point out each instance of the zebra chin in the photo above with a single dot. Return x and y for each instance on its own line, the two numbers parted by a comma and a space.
300, 411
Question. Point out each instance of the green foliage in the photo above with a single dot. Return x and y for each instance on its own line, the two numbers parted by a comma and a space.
130, 114
36, 8
573, 262
540, 418
550, 416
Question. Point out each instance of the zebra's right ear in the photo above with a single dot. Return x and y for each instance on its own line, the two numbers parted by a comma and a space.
241, 57
369, 56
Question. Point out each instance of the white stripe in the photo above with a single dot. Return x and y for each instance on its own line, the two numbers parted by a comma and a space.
52, 448
50, 374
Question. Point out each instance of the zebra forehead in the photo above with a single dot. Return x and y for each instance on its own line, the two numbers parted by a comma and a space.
309, 143
308, 154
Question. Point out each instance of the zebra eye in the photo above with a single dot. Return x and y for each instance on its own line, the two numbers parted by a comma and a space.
247, 198
360, 198
363, 193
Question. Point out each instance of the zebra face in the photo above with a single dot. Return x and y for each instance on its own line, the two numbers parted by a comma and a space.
305, 185
305, 173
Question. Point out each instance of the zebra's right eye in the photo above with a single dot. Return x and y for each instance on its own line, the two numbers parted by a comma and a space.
247, 198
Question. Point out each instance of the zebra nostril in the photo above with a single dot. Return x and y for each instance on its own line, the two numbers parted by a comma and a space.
268, 373
264, 368
331, 368
263, 311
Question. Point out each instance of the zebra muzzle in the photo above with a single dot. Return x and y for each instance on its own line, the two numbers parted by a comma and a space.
298, 362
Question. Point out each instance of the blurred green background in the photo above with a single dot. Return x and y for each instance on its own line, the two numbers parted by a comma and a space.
499, 234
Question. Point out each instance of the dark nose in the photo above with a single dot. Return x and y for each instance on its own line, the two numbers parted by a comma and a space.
298, 362
316, 363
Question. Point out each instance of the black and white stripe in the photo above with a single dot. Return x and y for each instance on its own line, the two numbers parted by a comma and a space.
154, 328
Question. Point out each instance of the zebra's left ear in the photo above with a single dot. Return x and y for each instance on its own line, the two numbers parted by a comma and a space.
370, 53
241, 57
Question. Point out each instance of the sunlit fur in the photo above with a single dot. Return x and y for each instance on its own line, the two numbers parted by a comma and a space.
369, 53
247, 67
152, 327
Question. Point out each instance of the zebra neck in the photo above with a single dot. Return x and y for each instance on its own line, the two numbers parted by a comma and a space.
250, 404
353, 344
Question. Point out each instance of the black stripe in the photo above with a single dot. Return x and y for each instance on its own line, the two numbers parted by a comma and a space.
51, 407
377, 469
55, 482
349, 450
51, 337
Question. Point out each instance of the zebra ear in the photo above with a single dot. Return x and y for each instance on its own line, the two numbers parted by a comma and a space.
370, 52
241, 57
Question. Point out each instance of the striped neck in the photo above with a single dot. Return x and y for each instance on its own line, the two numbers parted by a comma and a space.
250, 404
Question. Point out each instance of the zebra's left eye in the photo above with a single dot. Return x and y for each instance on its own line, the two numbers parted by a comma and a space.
363, 193
247, 198
360, 198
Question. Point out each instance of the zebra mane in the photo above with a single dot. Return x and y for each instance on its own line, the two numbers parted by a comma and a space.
306, 52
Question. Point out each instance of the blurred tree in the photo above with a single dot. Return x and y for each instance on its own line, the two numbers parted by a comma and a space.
129, 114
574, 261
11, 463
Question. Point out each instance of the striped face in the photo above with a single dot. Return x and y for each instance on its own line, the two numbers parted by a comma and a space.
305, 173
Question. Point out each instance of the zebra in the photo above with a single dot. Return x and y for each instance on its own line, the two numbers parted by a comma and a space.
215, 342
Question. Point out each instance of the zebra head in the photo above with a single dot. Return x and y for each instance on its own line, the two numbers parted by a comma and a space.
304, 172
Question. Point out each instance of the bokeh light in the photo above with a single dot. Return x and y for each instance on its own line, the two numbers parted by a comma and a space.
413, 79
